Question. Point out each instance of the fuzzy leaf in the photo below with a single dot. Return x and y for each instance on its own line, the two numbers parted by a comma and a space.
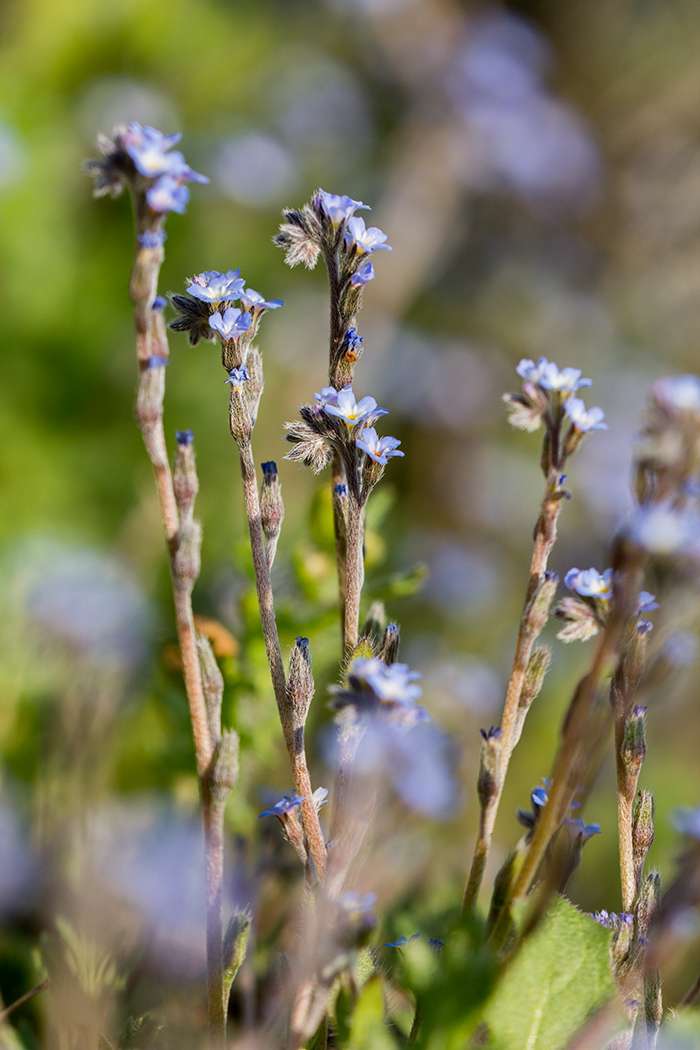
368, 1029
561, 975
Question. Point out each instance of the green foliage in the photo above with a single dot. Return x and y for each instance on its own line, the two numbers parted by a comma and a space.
559, 977
367, 1029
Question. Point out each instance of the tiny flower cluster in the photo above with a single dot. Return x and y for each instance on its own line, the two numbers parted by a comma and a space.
586, 615
611, 920
377, 689
207, 310
143, 158
548, 396
337, 420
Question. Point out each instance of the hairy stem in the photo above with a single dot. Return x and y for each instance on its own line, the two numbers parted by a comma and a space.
511, 724
355, 572
213, 815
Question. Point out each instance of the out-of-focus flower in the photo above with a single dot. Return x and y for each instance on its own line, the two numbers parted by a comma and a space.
393, 683
378, 449
237, 376
679, 393
646, 602
590, 583
152, 154
352, 341
184, 437
168, 194
352, 411
214, 287
611, 920
233, 323
338, 208
365, 240
320, 797
364, 275
582, 418
577, 826
547, 375
354, 903
285, 804
402, 941
251, 300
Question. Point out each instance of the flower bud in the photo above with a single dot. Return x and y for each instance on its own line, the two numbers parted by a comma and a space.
487, 780
234, 947
374, 625
254, 388
647, 903
187, 560
537, 668
271, 509
642, 832
224, 771
300, 684
212, 685
634, 746
537, 612
390, 644
185, 481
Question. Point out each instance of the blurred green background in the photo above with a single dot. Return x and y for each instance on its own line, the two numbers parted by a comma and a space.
536, 167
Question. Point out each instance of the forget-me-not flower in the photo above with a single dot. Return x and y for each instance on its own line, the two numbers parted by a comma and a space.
285, 804
582, 418
546, 374
401, 942
338, 208
252, 300
168, 194
378, 449
352, 411
238, 376
590, 583
393, 683
364, 275
214, 287
233, 323
328, 396
152, 154
681, 393
367, 240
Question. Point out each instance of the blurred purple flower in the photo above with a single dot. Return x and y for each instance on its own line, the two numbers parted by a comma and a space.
378, 449
681, 393
547, 375
151, 153
402, 941
168, 194
338, 208
393, 683
285, 804
238, 376
584, 419
590, 583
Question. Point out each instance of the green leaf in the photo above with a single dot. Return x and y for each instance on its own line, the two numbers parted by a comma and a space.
560, 976
368, 1029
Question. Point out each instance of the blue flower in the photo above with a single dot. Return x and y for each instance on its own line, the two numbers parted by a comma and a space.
338, 208
238, 376
251, 300
352, 411
437, 944
364, 275
233, 323
378, 449
159, 303
150, 151
352, 341
184, 437
590, 583
214, 287
152, 238
613, 921
582, 418
546, 374
402, 941
392, 683
681, 393
285, 804
353, 902
577, 827
168, 194
646, 602
366, 240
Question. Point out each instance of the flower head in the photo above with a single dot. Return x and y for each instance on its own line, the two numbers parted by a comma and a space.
151, 152
365, 240
328, 396
338, 208
285, 804
168, 194
214, 287
577, 826
184, 437
679, 393
582, 418
378, 449
363, 276
392, 684
238, 376
546, 374
233, 323
251, 300
590, 583
402, 941
352, 411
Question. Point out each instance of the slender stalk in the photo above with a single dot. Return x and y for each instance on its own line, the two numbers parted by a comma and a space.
213, 816
355, 572
294, 742
4, 1014
625, 803
341, 542
512, 720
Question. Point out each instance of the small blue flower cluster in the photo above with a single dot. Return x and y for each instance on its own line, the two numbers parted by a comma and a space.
375, 688
343, 405
597, 589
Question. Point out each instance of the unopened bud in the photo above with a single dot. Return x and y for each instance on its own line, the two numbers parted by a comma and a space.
373, 627
224, 771
187, 559
234, 947
642, 832
300, 684
537, 668
504, 880
538, 610
390, 644
271, 508
185, 481
634, 745
212, 685
254, 387
487, 781
647, 903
